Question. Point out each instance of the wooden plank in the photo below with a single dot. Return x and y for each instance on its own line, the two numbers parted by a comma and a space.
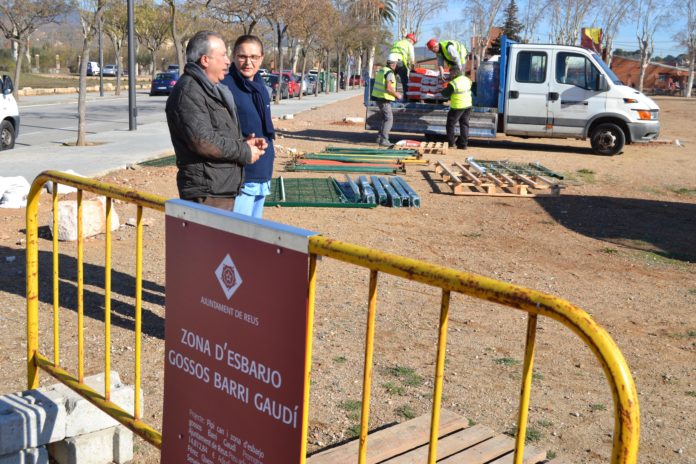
532, 455
446, 446
475, 179
392, 441
483, 452
452, 176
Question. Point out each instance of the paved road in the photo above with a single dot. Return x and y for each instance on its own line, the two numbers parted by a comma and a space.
49, 121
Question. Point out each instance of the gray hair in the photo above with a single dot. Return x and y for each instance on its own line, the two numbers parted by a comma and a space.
199, 45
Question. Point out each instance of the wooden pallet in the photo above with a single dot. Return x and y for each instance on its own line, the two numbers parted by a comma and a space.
434, 148
467, 179
407, 443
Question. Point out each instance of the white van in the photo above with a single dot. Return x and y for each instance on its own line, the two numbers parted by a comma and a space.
92, 68
9, 115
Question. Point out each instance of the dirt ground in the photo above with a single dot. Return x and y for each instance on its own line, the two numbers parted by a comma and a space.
619, 242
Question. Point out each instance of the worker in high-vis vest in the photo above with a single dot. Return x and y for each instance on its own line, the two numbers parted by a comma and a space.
448, 52
403, 53
384, 93
459, 93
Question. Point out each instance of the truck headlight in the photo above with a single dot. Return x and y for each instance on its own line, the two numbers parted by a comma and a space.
646, 114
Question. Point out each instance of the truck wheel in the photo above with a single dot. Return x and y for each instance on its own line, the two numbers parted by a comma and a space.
607, 139
7, 135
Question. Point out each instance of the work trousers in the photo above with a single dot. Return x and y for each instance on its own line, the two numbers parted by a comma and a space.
385, 110
402, 72
460, 117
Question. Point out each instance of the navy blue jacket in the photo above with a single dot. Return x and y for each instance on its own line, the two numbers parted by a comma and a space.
254, 108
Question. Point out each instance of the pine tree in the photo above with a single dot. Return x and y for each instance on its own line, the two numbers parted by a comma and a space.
511, 28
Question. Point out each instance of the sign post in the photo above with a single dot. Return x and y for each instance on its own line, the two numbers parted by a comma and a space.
235, 338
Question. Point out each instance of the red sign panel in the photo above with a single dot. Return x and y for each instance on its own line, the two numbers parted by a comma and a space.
234, 340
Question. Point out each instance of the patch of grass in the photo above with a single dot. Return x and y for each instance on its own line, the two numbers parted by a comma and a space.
350, 405
533, 435
691, 393
407, 375
506, 361
353, 431
691, 333
598, 407
394, 389
472, 422
658, 258
682, 190
551, 454
691, 291
609, 250
473, 235
587, 175
405, 411
544, 423
537, 376
340, 359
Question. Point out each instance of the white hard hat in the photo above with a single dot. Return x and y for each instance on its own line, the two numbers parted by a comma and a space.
393, 58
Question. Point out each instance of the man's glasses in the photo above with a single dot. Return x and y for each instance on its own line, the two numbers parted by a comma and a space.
252, 58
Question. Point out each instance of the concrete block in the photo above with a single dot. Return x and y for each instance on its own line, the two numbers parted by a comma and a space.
27, 456
93, 218
114, 444
82, 416
29, 419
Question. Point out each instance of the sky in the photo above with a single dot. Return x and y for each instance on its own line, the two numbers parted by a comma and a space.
625, 39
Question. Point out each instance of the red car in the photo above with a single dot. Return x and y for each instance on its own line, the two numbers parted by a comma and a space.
356, 80
294, 86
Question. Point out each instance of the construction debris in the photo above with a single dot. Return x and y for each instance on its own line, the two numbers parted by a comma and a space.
499, 178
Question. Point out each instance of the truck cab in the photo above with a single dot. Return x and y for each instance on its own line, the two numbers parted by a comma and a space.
562, 91
9, 114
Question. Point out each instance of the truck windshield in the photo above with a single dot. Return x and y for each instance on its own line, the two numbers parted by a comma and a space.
607, 70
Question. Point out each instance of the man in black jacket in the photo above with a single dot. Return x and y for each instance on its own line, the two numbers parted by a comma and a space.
204, 126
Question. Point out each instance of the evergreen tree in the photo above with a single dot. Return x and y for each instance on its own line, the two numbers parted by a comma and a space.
511, 28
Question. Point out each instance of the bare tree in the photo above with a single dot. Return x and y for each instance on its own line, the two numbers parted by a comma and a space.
483, 14
411, 14
687, 38
567, 17
374, 14
455, 30
20, 18
150, 29
116, 27
611, 15
651, 16
91, 12
533, 13
245, 13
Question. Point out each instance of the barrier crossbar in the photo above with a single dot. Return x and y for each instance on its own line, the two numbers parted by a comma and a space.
626, 409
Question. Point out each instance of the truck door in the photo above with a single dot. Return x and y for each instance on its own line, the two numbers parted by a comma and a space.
527, 93
573, 98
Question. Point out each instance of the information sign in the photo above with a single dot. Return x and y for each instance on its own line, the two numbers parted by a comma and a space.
235, 334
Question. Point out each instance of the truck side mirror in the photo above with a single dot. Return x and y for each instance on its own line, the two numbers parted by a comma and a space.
7, 86
602, 84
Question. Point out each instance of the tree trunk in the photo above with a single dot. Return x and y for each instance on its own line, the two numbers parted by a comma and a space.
370, 61
279, 33
82, 95
18, 67
690, 80
176, 37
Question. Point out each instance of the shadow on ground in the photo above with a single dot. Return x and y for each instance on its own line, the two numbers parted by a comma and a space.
122, 290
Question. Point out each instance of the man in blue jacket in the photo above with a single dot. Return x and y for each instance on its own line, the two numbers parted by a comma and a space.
254, 108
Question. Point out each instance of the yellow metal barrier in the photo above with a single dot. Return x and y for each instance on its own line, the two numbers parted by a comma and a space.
626, 409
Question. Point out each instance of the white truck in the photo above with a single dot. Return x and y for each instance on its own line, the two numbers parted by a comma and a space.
541, 90
9, 115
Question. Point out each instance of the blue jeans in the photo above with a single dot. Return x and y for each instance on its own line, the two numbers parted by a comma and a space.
251, 198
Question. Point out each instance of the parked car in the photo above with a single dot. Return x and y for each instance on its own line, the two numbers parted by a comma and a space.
309, 86
9, 114
272, 82
356, 80
110, 70
294, 86
163, 83
92, 68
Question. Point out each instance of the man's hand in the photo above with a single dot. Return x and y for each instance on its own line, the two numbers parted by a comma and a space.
258, 146
398, 95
